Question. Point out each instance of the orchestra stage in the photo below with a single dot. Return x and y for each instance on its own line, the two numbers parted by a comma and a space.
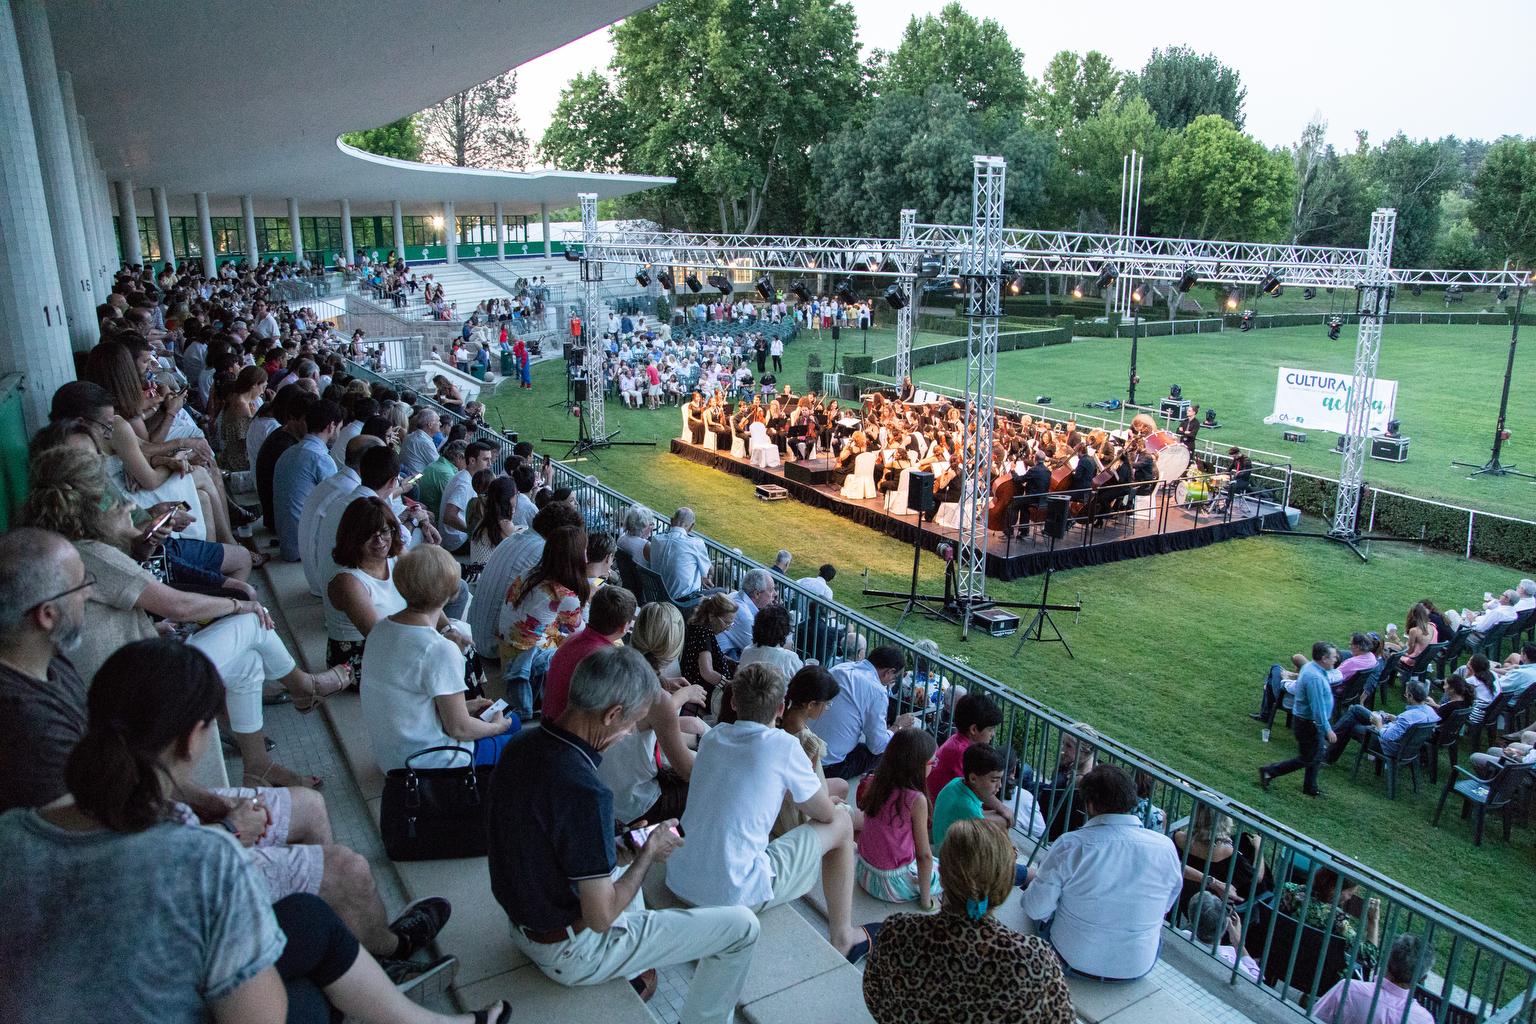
1176, 527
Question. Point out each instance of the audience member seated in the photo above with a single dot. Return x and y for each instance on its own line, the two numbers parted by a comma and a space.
809, 692
552, 860
1057, 796
648, 770
292, 412
1422, 632
639, 524
609, 616
1360, 723
1500, 612
758, 591
452, 519
1213, 923
741, 774
1387, 1000
378, 469
702, 662
191, 930
1363, 648
513, 558
854, 726
415, 698
1101, 892
1217, 864
300, 469
680, 558
1519, 672
771, 633
363, 590
961, 965
494, 523
1333, 907
419, 449
1486, 686
326, 494
433, 481
69, 496
895, 855
962, 798
1521, 751
541, 610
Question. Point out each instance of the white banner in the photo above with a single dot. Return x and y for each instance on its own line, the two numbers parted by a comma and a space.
1313, 400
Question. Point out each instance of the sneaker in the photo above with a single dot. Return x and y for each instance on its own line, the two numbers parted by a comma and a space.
420, 982
419, 923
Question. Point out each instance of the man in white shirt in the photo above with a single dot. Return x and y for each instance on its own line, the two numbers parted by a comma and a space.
265, 323
757, 592
1100, 892
420, 448
858, 711
1502, 611
741, 775
454, 509
326, 493
513, 557
821, 583
1518, 673
680, 558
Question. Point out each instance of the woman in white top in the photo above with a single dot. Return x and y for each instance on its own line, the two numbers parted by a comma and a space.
415, 695
363, 589
642, 788
771, 629
639, 523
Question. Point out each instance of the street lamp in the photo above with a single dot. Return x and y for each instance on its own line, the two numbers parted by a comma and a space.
1136, 299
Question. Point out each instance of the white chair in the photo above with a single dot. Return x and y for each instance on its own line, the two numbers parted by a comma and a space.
738, 446
711, 440
896, 501
686, 435
861, 482
765, 454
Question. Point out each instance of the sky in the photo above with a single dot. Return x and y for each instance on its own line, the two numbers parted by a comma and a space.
1425, 68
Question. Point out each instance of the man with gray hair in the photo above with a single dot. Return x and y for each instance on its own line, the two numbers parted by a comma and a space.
1389, 1000
1499, 611
757, 592
1212, 922
781, 562
552, 862
420, 448
1360, 723
680, 558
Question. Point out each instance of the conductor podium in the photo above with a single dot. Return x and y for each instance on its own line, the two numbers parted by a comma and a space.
810, 471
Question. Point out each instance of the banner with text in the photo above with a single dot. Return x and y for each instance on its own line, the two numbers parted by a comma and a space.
1321, 401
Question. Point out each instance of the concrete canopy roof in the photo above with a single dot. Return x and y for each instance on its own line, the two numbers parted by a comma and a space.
231, 97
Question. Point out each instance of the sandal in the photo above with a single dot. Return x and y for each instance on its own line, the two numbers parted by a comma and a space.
340, 675
278, 777
502, 1009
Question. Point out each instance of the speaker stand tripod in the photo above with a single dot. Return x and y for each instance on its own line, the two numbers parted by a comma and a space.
1036, 628
938, 608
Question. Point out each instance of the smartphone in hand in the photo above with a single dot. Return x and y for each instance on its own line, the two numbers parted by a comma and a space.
491, 712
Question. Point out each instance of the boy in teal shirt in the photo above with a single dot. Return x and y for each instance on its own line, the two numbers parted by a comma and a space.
981, 777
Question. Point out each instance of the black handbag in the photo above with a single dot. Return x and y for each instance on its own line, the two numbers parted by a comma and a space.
435, 813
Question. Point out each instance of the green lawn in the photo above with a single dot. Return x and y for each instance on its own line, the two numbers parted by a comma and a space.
1448, 396
1170, 653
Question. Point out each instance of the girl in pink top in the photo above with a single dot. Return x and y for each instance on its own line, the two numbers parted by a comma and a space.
895, 860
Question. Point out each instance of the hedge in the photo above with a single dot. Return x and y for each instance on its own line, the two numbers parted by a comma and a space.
944, 351
857, 363
813, 380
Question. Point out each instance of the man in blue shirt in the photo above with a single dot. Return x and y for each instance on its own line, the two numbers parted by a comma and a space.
299, 469
854, 725
1309, 720
1359, 722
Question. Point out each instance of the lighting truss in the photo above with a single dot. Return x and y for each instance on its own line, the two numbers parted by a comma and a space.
1375, 295
905, 316
591, 278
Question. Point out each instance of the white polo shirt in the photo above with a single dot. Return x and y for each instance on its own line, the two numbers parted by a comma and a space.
740, 775
320, 500
458, 493
1105, 889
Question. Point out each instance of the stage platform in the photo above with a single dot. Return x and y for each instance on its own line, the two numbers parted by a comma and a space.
1128, 536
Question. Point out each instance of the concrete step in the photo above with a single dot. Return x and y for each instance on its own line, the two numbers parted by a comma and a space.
535, 998
835, 997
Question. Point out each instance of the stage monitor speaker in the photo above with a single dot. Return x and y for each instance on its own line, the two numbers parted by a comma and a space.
920, 491
1058, 510
579, 390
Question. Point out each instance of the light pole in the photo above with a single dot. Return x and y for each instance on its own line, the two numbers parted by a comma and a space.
1130, 391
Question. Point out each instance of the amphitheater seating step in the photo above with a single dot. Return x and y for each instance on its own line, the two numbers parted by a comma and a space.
535, 998
837, 995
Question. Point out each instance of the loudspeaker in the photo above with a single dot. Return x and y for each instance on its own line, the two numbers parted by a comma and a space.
579, 390
1058, 509
920, 491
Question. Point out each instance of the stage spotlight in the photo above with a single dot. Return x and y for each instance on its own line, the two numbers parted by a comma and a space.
1210, 417
1231, 302
930, 265
1309, 294
895, 297
664, 278
1417, 290
1269, 284
1503, 295
1016, 286
765, 288
1174, 391
1334, 323
1394, 428
573, 255
692, 281
1137, 296
1107, 275
642, 278
800, 291
955, 284
1187, 280
720, 283
1077, 290
845, 293
1042, 399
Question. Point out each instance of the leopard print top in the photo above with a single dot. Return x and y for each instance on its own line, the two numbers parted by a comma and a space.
945, 969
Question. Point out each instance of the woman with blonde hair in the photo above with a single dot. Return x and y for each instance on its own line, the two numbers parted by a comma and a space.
987, 973
1216, 862
647, 787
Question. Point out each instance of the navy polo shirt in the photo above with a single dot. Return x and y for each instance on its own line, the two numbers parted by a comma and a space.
551, 827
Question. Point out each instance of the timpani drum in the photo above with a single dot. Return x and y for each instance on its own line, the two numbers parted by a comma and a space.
1169, 452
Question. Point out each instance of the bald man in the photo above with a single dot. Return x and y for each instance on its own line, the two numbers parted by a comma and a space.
43, 587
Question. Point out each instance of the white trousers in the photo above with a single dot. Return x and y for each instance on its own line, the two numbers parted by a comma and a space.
721, 939
246, 655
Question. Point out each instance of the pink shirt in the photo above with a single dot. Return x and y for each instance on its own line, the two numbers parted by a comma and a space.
885, 841
1354, 1006
557, 678
946, 765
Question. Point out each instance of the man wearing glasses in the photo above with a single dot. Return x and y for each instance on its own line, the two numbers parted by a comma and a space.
43, 589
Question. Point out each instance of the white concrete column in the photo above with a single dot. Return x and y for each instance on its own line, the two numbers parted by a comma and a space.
544, 219
399, 219
101, 208
451, 233
162, 208
501, 231
348, 249
127, 222
295, 229
82, 166
248, 213
205, 236
51, 133
34, 336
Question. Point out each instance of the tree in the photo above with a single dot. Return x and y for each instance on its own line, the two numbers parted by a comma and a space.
1504, 200
1410, 176
1458, 244
1213, 181
1084, 186
477, 127
586, 132
915, 151
399, 139
1074, 88
1180, 85
1332, 204
975, 57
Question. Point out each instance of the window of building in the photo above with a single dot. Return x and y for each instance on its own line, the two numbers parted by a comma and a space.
422, 231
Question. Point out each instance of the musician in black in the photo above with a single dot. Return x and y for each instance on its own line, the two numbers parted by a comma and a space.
1037, 484
1240, 470
1143, 469
1189, 427
908, 390
695, 413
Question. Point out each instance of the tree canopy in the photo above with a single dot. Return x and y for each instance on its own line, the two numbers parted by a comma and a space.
974, 58
1181, 85
400, 139
477, 127
1075, 88
1504, 200
1212, 181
